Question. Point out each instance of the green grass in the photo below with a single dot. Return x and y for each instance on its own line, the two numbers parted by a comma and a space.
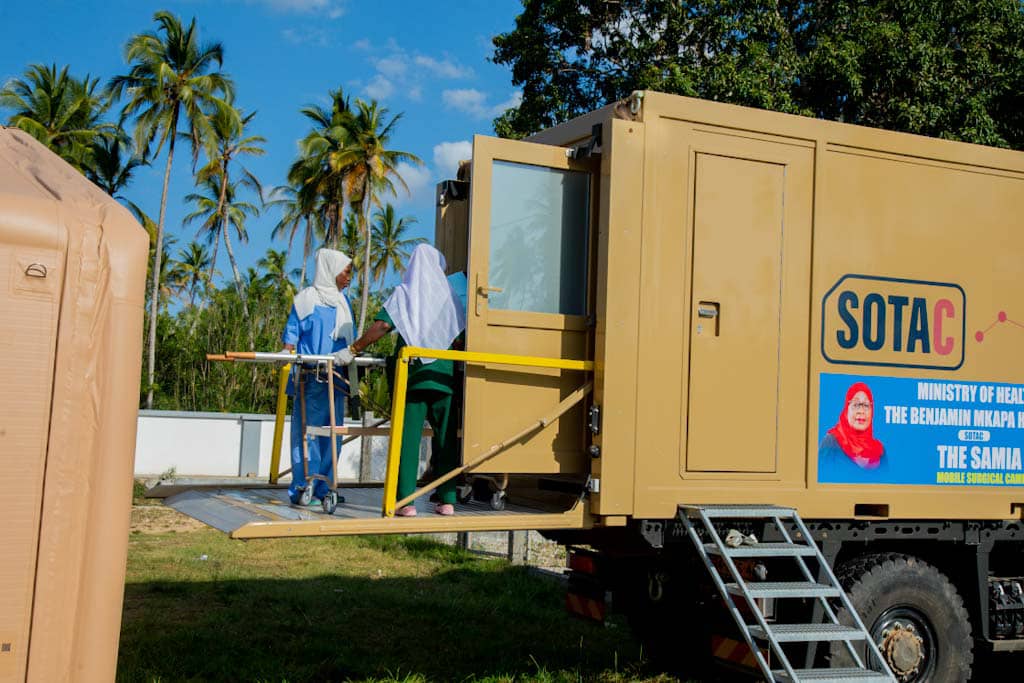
365, 609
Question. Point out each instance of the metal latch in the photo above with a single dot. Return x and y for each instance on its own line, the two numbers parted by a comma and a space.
594, 485
591, 148
594, 419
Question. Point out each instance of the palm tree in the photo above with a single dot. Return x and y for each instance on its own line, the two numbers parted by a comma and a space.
229, 143
320, 172
275, 268
215, 218
351, 241
111, 164
372, 173
390, 247
172, 77
296, 214
191, 270
61, 111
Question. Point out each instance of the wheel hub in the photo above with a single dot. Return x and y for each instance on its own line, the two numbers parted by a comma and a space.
903, 649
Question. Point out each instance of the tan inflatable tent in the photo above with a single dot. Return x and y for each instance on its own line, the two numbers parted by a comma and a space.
72, 271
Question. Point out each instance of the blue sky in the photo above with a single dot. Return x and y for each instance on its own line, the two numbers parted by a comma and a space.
428, 60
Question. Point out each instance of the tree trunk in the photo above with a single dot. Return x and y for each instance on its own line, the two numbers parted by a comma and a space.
213, 259
158, 252
306, 247
238, 285
365, 298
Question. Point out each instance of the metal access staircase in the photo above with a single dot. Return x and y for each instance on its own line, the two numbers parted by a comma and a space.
774, 634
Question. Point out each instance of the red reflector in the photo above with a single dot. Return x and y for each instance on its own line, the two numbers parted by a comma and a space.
582, 563
585, 607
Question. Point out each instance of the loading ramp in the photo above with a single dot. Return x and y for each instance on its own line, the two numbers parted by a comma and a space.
266, 512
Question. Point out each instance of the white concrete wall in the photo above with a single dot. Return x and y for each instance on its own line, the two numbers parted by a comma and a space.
211, 444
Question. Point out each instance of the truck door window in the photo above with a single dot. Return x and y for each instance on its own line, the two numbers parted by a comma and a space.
538, 254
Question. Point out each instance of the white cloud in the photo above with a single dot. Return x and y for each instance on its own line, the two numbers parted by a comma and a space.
363, 44
444, 68
468, 100
447, 156
514, 101
309, 36
394, 66
379, 88
416, 93
332, 9
474, 102
418, 179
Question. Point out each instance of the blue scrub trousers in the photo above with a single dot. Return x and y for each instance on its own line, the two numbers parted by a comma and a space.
318, 412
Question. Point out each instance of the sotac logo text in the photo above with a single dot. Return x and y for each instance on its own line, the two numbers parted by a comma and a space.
894, 322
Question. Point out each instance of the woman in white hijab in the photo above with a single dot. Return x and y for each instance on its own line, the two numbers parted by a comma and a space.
320, 323
426, 311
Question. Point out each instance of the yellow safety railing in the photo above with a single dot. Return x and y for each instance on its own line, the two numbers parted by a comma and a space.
282, 411
398, 411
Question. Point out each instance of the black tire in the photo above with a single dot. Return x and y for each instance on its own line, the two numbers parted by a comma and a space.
891, 592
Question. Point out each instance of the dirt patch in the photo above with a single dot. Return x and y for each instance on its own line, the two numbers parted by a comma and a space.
157, 519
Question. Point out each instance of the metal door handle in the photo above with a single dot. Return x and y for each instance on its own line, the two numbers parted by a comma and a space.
705, 311
709, 310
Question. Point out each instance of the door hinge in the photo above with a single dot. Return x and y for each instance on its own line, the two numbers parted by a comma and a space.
594, 485
594, 419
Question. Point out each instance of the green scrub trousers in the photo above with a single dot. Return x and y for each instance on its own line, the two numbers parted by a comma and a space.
441, 411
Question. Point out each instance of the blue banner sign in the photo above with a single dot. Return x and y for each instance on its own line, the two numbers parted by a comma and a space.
895, 430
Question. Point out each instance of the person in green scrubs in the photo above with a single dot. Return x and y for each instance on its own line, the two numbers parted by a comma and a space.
427, 312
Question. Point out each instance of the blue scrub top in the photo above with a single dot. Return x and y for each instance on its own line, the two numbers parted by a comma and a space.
312, 335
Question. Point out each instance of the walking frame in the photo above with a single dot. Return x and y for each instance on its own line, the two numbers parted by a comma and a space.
308, 364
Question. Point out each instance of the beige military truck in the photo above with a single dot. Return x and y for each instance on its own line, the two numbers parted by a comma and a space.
762, 372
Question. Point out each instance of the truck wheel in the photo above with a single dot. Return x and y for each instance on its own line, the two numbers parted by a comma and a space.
915, 616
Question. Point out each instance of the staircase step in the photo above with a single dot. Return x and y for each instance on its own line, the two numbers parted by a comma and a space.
785, 589
764, 550
805, 633
832, 676
739, 511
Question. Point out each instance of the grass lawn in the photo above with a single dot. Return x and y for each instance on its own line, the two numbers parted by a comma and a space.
201, 607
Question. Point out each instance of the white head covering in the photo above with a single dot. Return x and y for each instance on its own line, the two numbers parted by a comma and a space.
425, 309
325, 292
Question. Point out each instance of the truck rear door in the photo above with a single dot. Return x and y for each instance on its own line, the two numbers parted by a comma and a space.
532, 211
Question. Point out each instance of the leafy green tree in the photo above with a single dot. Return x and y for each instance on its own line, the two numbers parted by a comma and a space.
391, 247
172, 79
62, 112
948, 68
372, 173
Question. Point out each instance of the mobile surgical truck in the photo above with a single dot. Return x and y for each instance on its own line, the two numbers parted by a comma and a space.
761, 372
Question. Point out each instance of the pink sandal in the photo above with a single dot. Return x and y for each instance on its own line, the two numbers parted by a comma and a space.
446, 509
407, 511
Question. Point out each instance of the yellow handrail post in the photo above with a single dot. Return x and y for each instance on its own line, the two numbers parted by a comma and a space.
397, 424
282, 408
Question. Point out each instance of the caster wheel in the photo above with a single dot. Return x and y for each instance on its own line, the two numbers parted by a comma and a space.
464, 494
306, 497
498, 501
330, 502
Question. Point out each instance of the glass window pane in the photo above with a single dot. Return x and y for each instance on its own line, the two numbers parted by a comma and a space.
539, 220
